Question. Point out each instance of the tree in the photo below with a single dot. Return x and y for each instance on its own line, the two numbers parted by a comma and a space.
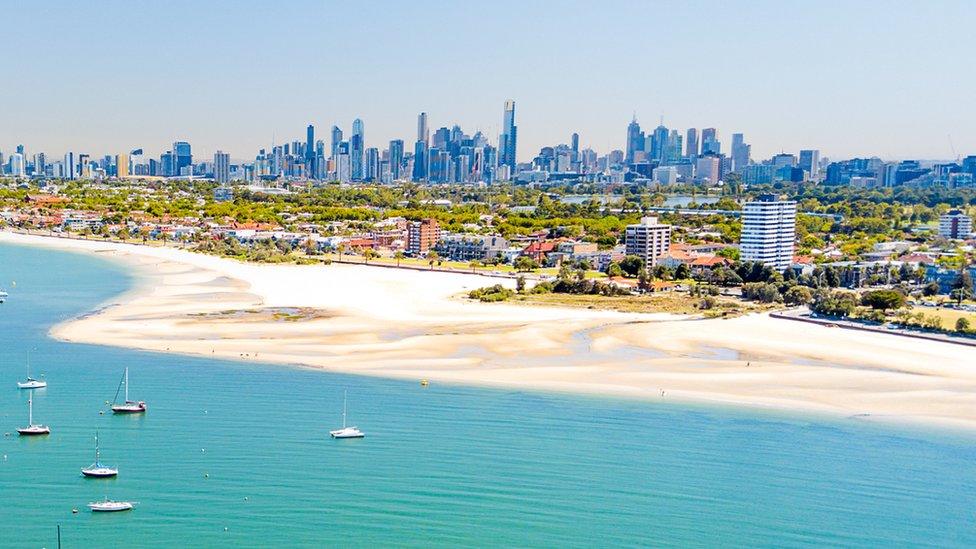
432, 257
520, 284
631, 265
834, 303
369, 253
962, 324
614, 270
524, 263
474, 264
931, 289
962, 288
643, 280
883, 300
399, 255
798, 295
682, 272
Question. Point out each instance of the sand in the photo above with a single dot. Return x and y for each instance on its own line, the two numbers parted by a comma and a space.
410, 324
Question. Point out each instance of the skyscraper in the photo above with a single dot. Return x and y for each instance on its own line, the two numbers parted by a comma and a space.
336, 139
740, 152
691, 144
635, 140
356, 147
507, 143
70, 166
396, 158
768, 231
371, 164
659, 143
810, 162
710, 142
182, 158
423, 131
222, 166
121, 165
310, 150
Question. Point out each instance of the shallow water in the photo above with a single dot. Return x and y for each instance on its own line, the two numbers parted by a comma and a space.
238, 454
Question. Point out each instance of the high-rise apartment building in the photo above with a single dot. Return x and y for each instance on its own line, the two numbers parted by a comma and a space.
768, 231
422, 236
221, 167
955, 224
648, 240
310, 151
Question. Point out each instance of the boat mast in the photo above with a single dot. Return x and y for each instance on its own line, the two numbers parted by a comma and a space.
343, 409
127, 384
30, 412
96, 448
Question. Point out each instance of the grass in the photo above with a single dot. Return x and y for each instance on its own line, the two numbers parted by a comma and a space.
948, 316
662, 302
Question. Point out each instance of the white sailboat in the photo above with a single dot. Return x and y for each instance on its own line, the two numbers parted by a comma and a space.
97, 470
31, 429
31, 383
110, 506
346, 432
3, 296
129, 406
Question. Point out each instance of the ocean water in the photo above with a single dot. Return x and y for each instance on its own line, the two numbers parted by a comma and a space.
238, 455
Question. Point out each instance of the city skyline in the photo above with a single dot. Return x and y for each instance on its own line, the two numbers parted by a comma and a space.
829, 88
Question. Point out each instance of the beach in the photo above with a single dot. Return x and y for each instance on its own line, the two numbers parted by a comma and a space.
409, 324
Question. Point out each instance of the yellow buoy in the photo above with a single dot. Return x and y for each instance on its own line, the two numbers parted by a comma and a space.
424, 383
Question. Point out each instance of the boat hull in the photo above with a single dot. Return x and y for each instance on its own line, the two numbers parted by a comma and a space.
129, 408
33, 431
109, 507
99, 474
32, 385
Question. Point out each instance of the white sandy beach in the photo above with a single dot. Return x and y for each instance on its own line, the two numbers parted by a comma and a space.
408, 324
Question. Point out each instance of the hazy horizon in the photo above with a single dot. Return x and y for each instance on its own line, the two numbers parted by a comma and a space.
887, 79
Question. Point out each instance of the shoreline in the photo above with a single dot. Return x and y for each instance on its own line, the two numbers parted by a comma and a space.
404, 324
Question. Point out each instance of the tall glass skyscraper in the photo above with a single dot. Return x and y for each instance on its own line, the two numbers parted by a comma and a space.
356, 147
396, 158
507, 143
635, 140
182, 157
310, 150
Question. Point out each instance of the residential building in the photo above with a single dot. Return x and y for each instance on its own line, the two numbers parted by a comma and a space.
768, 231
648, 240
422, 236
508, 140
222, 167
955, 224
467, 247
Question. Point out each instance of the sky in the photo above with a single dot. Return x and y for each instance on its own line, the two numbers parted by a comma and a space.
852, 78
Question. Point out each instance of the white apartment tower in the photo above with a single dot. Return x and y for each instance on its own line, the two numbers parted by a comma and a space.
648, 240
955, 224
768, 231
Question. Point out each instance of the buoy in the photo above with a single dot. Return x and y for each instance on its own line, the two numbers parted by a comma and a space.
101, 412
245, 498
206, 475
225, 528
424, 383
203, 449
74, 511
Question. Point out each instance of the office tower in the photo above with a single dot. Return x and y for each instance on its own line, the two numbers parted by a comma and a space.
635, 140
166, 164
648, 240
70, 167
507, 141
17, 167
955, 224
691, 145
768, 231
672, 151
84, 166
575, 143
310, 151
182, 158
740, 152
396, 158
708, 169
423, 132
336, 139
710, 142
810, 162
659, 143
221, 167
356, 147
40, 163
371, 169
121, 165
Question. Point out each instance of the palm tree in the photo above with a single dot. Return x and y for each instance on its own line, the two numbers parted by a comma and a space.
369, 253
398, 256
342, 250
432, 258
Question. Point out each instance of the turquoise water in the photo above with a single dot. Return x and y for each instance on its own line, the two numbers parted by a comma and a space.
442, 466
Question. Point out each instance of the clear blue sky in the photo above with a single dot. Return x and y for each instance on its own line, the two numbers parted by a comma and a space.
885, 78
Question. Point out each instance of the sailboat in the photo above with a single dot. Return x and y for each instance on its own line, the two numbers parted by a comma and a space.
346, 432
110, 506
97, 470
129, 406
31, 383
31, 429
